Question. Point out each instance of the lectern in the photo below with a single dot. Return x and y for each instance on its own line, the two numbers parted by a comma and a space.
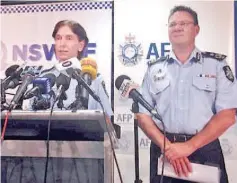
80, 150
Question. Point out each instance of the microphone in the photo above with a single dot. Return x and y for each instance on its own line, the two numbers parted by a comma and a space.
13, 83
75, 74
89, 67
89, 73
73, 63
62, 83
12, 76
41, 85
127, 88
27, 79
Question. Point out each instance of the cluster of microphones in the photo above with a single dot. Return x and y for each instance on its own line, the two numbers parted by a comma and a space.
84, 72
41, 90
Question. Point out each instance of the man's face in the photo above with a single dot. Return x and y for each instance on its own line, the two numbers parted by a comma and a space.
182, 31
67, 44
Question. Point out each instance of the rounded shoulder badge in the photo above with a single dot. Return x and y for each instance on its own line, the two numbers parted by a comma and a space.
158, 72
130, 52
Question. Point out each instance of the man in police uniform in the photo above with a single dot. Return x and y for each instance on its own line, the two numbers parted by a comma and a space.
195, 94
70, 42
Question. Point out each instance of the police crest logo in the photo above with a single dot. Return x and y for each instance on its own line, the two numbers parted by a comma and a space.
228, 73
130, 53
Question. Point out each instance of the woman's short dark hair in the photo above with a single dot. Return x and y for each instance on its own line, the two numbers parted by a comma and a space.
186, 9
76, 29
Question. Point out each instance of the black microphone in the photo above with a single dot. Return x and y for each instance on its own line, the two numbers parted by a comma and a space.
41, 85
75, 73
127, 88
13, 83
27, 79
12, 76
62, 83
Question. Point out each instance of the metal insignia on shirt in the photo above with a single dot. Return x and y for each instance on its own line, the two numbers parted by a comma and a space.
103, 85
228, 73
159, 74
198, 56
130, 53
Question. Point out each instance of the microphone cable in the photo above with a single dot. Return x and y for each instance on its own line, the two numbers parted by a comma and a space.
157, 116
47, 142
164, 145
5, 126
111, 143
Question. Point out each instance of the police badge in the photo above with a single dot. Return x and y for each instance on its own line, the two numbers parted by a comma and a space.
130, 53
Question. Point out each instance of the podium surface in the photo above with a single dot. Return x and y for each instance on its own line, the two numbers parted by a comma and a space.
80, 150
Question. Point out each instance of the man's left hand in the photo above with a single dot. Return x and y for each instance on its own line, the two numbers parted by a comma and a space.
179, 150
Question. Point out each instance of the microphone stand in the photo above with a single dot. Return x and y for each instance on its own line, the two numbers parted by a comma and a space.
135, 110
60, 104
77, 104
4, 105
3, 94
63, 97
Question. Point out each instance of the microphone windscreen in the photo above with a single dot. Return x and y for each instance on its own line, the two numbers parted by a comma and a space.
63, 80
89, 66
51, 77
120, 79
11, 69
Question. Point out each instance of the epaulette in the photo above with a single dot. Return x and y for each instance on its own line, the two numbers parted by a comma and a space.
159, 60
47, 70
213, 55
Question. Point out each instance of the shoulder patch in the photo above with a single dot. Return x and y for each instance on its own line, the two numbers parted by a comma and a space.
47, 70
159, 60
228, 73
216, 56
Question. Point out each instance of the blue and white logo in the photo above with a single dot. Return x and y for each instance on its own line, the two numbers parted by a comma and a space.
130, 52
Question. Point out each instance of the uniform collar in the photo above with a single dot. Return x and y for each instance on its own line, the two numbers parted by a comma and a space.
196, 56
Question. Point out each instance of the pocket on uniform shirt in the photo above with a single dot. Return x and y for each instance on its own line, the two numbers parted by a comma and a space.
206, 84
158, 86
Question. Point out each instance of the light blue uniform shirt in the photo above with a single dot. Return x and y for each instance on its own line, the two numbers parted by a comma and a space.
188, 95
97, 86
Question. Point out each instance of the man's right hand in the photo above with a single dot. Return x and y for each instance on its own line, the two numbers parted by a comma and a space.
182, 166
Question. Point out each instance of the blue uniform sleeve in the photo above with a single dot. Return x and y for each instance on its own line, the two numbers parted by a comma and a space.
145, 91
226, 95
100, 89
